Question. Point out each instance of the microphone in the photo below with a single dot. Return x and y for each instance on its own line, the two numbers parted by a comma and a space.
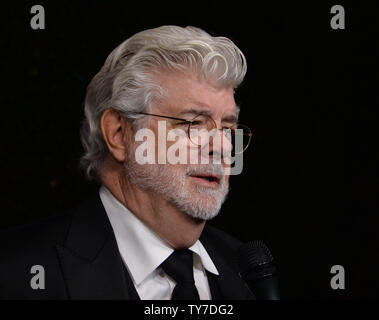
259, 270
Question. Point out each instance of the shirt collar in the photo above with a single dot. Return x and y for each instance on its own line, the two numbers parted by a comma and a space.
141, 249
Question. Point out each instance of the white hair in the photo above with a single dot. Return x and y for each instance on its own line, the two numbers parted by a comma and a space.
126, 82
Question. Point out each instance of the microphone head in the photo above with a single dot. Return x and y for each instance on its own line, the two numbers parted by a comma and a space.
256, 261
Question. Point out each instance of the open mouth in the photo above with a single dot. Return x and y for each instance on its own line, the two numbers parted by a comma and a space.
207, 179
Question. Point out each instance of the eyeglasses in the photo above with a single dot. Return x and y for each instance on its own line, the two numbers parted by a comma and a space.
239, 135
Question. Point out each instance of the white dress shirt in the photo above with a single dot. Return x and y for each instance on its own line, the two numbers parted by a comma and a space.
142, 251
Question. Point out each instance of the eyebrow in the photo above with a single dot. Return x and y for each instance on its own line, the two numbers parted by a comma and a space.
195, 112
229, 118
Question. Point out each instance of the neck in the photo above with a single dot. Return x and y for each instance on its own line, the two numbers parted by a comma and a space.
175, 227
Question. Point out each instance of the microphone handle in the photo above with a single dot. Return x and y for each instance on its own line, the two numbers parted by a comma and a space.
266, 288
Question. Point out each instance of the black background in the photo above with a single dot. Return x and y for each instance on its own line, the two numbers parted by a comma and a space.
309, 185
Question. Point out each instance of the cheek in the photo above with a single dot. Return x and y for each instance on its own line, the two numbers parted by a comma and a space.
172, 146
227, 169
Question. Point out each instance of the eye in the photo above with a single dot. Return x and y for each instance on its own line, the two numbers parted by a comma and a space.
228, 128
182, 123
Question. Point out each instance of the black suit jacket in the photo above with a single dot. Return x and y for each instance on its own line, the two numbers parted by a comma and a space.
80, 257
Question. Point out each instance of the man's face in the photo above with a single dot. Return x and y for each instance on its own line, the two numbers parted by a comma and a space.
196, 189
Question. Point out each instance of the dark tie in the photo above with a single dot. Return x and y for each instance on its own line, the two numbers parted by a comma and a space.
179, 266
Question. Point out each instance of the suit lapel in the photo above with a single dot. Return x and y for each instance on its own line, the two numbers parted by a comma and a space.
228, 285
93, 269
91, 264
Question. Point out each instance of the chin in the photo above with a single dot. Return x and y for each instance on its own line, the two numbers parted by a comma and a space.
201, 215
201, 203
203, 207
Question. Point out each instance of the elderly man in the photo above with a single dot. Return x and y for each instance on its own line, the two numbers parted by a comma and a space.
143, 235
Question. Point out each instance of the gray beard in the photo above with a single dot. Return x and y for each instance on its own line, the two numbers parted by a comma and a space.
170, 182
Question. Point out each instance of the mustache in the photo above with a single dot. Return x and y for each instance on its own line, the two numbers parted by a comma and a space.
210, 169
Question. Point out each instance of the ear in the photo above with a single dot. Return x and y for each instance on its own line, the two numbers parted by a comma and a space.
115, 130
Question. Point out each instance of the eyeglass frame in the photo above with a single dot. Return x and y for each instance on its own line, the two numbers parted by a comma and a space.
250, 134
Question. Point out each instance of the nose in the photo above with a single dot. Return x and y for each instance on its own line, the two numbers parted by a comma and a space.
220, 146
